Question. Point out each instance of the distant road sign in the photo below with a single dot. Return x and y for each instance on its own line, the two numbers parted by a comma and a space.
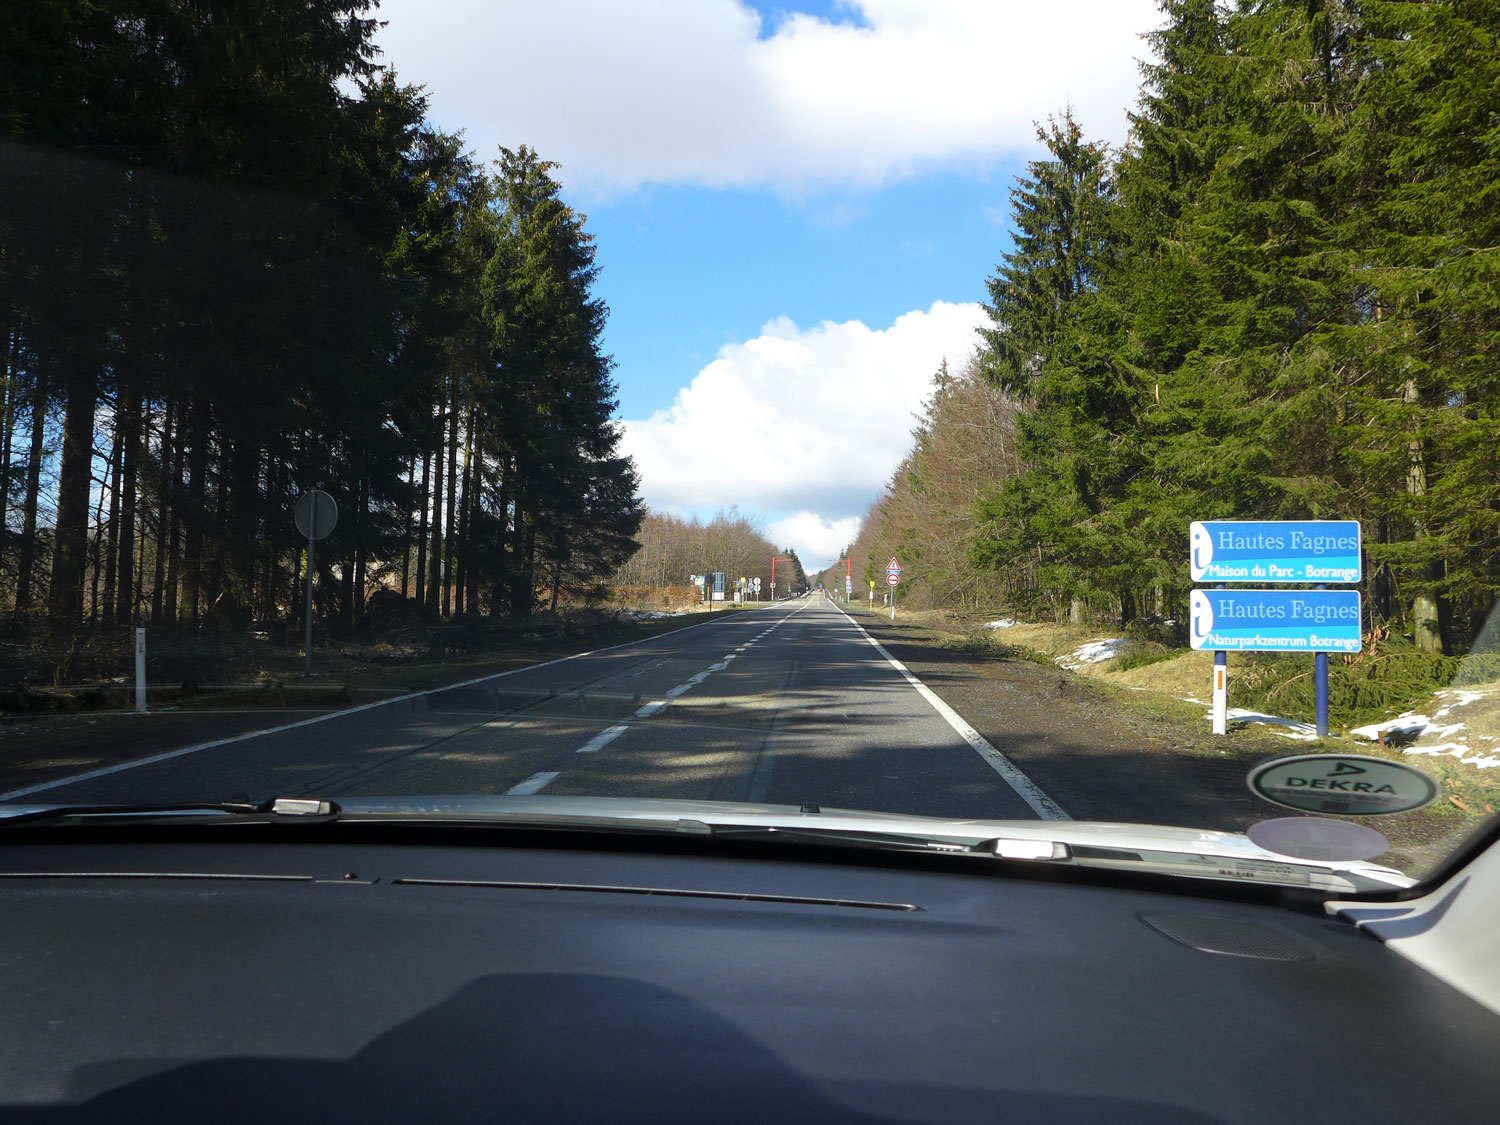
316, 514
1275, 551
1275, 620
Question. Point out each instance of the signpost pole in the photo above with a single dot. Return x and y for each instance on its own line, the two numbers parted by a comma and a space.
1320, 685
316, 514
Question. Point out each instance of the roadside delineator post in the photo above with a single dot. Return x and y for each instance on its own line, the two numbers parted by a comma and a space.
140, 670
1221, 692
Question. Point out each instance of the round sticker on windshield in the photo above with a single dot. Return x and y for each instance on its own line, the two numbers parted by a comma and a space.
1343, 785
1312, 837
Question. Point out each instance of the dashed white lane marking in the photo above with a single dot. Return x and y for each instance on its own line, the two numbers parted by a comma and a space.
656, 706
533, 784
1028, 790
603, 739
166, 756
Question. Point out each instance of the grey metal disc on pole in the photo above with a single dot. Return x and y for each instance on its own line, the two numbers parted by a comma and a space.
316, 514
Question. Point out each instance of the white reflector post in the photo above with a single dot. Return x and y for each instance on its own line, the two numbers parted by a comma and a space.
140, 670
1221, 692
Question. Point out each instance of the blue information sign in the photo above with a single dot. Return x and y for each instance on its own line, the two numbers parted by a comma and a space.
1268, 551
1275, 620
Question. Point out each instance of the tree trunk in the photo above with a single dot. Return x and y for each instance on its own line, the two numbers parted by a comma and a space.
448, 522
173, 459
1077, 611
465, 549
163, 513
75, 475
97, 538
1424, 611
10, 389
435, 559
112, 528
129, 424
197, 491
25, 566
523, 593
420, 593
411, 475
361, 550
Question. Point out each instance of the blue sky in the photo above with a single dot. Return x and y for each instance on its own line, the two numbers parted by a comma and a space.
796, 206
687, 270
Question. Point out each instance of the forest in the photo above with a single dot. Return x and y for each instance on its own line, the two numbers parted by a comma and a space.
237, 263
734, 544
1279, 300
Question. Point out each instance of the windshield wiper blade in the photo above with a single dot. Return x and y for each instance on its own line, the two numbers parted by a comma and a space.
276, 807
798, 833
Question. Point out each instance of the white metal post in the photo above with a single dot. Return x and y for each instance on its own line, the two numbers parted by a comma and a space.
1221, 692
140, 670
1221, 688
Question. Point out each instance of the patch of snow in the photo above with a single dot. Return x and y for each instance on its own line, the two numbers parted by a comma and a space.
1425, 735
1408, 724
1456, 697
1095, 652
648, 614
1303, 732
1000, 623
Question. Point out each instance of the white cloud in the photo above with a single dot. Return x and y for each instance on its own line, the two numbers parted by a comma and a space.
690, 91
816, 540
799, 420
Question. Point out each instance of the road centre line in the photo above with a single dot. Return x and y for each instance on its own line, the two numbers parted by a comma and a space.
603, 739
1028, 790
656, 706
121, 767
533, 784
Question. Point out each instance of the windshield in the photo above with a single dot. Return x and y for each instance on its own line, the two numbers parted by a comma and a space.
960, 409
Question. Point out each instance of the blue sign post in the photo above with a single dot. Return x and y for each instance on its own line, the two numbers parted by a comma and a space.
1270, 552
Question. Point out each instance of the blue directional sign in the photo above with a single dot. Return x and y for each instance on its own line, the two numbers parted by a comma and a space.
1275, 620
1267, 551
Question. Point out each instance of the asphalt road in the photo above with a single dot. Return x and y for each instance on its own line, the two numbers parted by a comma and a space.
790, 704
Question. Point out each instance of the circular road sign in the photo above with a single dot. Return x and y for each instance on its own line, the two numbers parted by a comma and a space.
1342, 784
316, 514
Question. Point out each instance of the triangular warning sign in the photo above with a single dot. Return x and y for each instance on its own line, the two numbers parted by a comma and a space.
1345, 767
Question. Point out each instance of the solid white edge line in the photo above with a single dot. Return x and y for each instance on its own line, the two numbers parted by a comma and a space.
1028, 790
166, 756
533, 784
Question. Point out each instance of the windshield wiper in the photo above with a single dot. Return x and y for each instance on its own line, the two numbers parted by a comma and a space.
276, 807
850, 837
1002, 847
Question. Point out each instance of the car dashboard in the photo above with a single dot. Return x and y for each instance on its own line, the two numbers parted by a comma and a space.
565, 978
